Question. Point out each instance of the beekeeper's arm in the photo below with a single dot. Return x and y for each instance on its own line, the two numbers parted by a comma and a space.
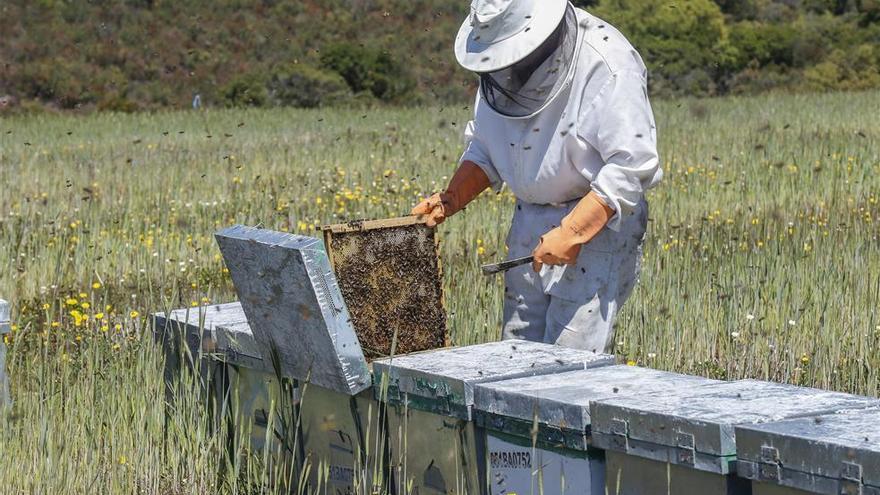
474, 175
619, 124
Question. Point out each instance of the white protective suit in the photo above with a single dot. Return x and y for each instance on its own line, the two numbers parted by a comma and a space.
598, 133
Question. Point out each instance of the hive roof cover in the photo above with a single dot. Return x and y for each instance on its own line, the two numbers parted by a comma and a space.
4, 317
814, 451
203, 317
198, 324
389, 274
295, 309
449, 375
709, 413
219, 329
563, 400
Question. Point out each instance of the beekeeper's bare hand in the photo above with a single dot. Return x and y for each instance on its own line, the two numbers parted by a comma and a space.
556, 248
435, 209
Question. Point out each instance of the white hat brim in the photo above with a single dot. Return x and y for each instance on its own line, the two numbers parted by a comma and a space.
482, 57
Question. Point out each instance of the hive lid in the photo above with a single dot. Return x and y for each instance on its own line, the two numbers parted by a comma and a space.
237, 345
198, 324
563, 400
695, 426
294, 307
4, 317
442, 381
820, 454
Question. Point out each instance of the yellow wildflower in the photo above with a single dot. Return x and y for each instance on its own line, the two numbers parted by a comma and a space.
77, 317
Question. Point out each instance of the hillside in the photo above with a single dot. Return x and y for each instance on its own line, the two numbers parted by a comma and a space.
147, 54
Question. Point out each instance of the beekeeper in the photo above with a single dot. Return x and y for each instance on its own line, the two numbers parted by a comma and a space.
562, 118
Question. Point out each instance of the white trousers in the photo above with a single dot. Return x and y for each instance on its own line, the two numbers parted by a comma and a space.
572, 306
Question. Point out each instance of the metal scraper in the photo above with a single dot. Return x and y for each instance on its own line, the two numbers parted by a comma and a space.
494, 268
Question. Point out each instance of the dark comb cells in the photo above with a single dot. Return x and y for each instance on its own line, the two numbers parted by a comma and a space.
390, 280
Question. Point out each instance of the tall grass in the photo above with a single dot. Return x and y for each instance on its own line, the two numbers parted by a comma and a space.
760, 261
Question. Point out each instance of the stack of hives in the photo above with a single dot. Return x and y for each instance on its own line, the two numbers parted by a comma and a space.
513, 416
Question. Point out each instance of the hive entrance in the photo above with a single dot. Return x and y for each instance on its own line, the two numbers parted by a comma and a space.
389, 275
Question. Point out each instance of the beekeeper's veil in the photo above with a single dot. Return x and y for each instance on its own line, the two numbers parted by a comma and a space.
523, 51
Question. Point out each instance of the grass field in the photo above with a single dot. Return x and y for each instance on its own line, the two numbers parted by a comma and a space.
761, 259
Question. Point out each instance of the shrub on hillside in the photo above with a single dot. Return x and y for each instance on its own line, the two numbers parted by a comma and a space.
855, 70
763, 43
248, 90
368, 69
755, 79
301, 85
62, 82
684, 44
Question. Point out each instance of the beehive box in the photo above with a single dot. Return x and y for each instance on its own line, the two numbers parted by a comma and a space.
4, 328
390, 277
829, 454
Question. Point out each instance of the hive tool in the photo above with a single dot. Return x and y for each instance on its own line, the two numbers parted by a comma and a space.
494, 268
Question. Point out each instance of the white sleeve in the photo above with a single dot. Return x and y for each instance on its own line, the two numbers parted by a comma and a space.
619, 123
476, 152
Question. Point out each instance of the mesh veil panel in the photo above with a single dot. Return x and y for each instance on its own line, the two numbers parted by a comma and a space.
524, 88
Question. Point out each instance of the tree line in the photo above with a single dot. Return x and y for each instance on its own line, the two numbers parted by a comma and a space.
128, 55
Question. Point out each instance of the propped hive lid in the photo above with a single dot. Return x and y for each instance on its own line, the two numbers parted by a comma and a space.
4, 317
563, 400
443, 380
701, 419
294, 307
818, 454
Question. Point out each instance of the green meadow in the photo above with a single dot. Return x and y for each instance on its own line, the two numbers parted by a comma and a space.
761, 258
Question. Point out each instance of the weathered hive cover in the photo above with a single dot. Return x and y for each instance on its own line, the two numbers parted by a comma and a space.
4, 328
695, 427
237, 345
442, 381
293, 304
830, 454
389, 274
197, 325
221, 330
4, 317
563, 400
